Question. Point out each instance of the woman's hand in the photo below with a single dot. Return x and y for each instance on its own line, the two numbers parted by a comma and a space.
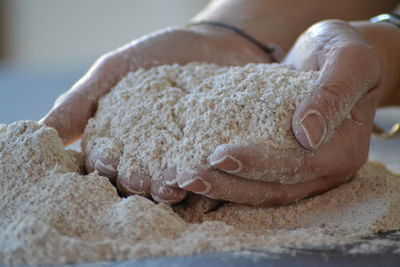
359, 70
72, 110
200, 43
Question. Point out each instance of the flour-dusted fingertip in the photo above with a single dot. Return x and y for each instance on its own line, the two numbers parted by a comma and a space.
106, 168
173, 182
170, 178
165, 194
195, 184
227, 163
313, 130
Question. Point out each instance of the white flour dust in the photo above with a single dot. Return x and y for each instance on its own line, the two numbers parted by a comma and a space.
51, 214
176, 116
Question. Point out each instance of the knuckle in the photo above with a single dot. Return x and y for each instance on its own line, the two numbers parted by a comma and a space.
328, 25
105, 59
333, 22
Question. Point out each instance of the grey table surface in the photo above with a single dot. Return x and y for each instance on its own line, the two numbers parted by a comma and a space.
303, 258
28, 95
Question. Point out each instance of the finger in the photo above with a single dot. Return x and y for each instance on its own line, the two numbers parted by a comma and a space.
103, 156
352, 137
166, 194
69, 118
218, 185
341, 84
73, 109
134, 184
332, 166
261, 162
104, 165
349, 69
258, 162
170, 177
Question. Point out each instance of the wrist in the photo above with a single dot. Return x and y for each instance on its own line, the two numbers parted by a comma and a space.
255, 17
281, 22
385, 40
274, 52
230, 40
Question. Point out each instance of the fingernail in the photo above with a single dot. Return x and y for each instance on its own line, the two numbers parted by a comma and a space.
227, 163
171, 182
128, 190
197, 185
104, 167
170, 177
107, 169
314, 127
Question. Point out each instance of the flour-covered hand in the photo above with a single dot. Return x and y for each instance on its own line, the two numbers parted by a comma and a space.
73, 109
358, 66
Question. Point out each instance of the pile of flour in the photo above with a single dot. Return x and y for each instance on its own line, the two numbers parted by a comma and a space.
167, 116
51, 214
176, 116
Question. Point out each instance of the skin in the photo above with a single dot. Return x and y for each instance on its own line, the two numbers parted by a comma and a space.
281, 22
73, 109
358, 65
356, 76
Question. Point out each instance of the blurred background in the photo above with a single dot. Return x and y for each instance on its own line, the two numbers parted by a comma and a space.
46, 45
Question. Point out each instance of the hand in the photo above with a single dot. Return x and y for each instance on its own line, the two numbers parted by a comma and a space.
74, 108
359, 70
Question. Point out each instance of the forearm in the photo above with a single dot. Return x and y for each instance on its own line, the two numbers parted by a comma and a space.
282, 21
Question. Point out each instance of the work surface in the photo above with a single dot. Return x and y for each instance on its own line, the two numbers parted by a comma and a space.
385, 151
308, 258
17, 93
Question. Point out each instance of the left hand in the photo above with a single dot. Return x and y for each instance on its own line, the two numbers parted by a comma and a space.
359, 68
74, 108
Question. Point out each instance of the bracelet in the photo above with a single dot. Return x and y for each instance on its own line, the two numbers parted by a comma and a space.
273, 51
391, 18
383, 135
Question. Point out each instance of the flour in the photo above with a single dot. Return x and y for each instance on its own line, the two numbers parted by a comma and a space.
382, 245
52, 214
176, 116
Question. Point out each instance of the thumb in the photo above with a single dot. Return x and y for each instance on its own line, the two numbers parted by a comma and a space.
73, 109
347, 73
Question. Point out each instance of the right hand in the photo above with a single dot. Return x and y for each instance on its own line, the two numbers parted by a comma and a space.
202, 43
359, 70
